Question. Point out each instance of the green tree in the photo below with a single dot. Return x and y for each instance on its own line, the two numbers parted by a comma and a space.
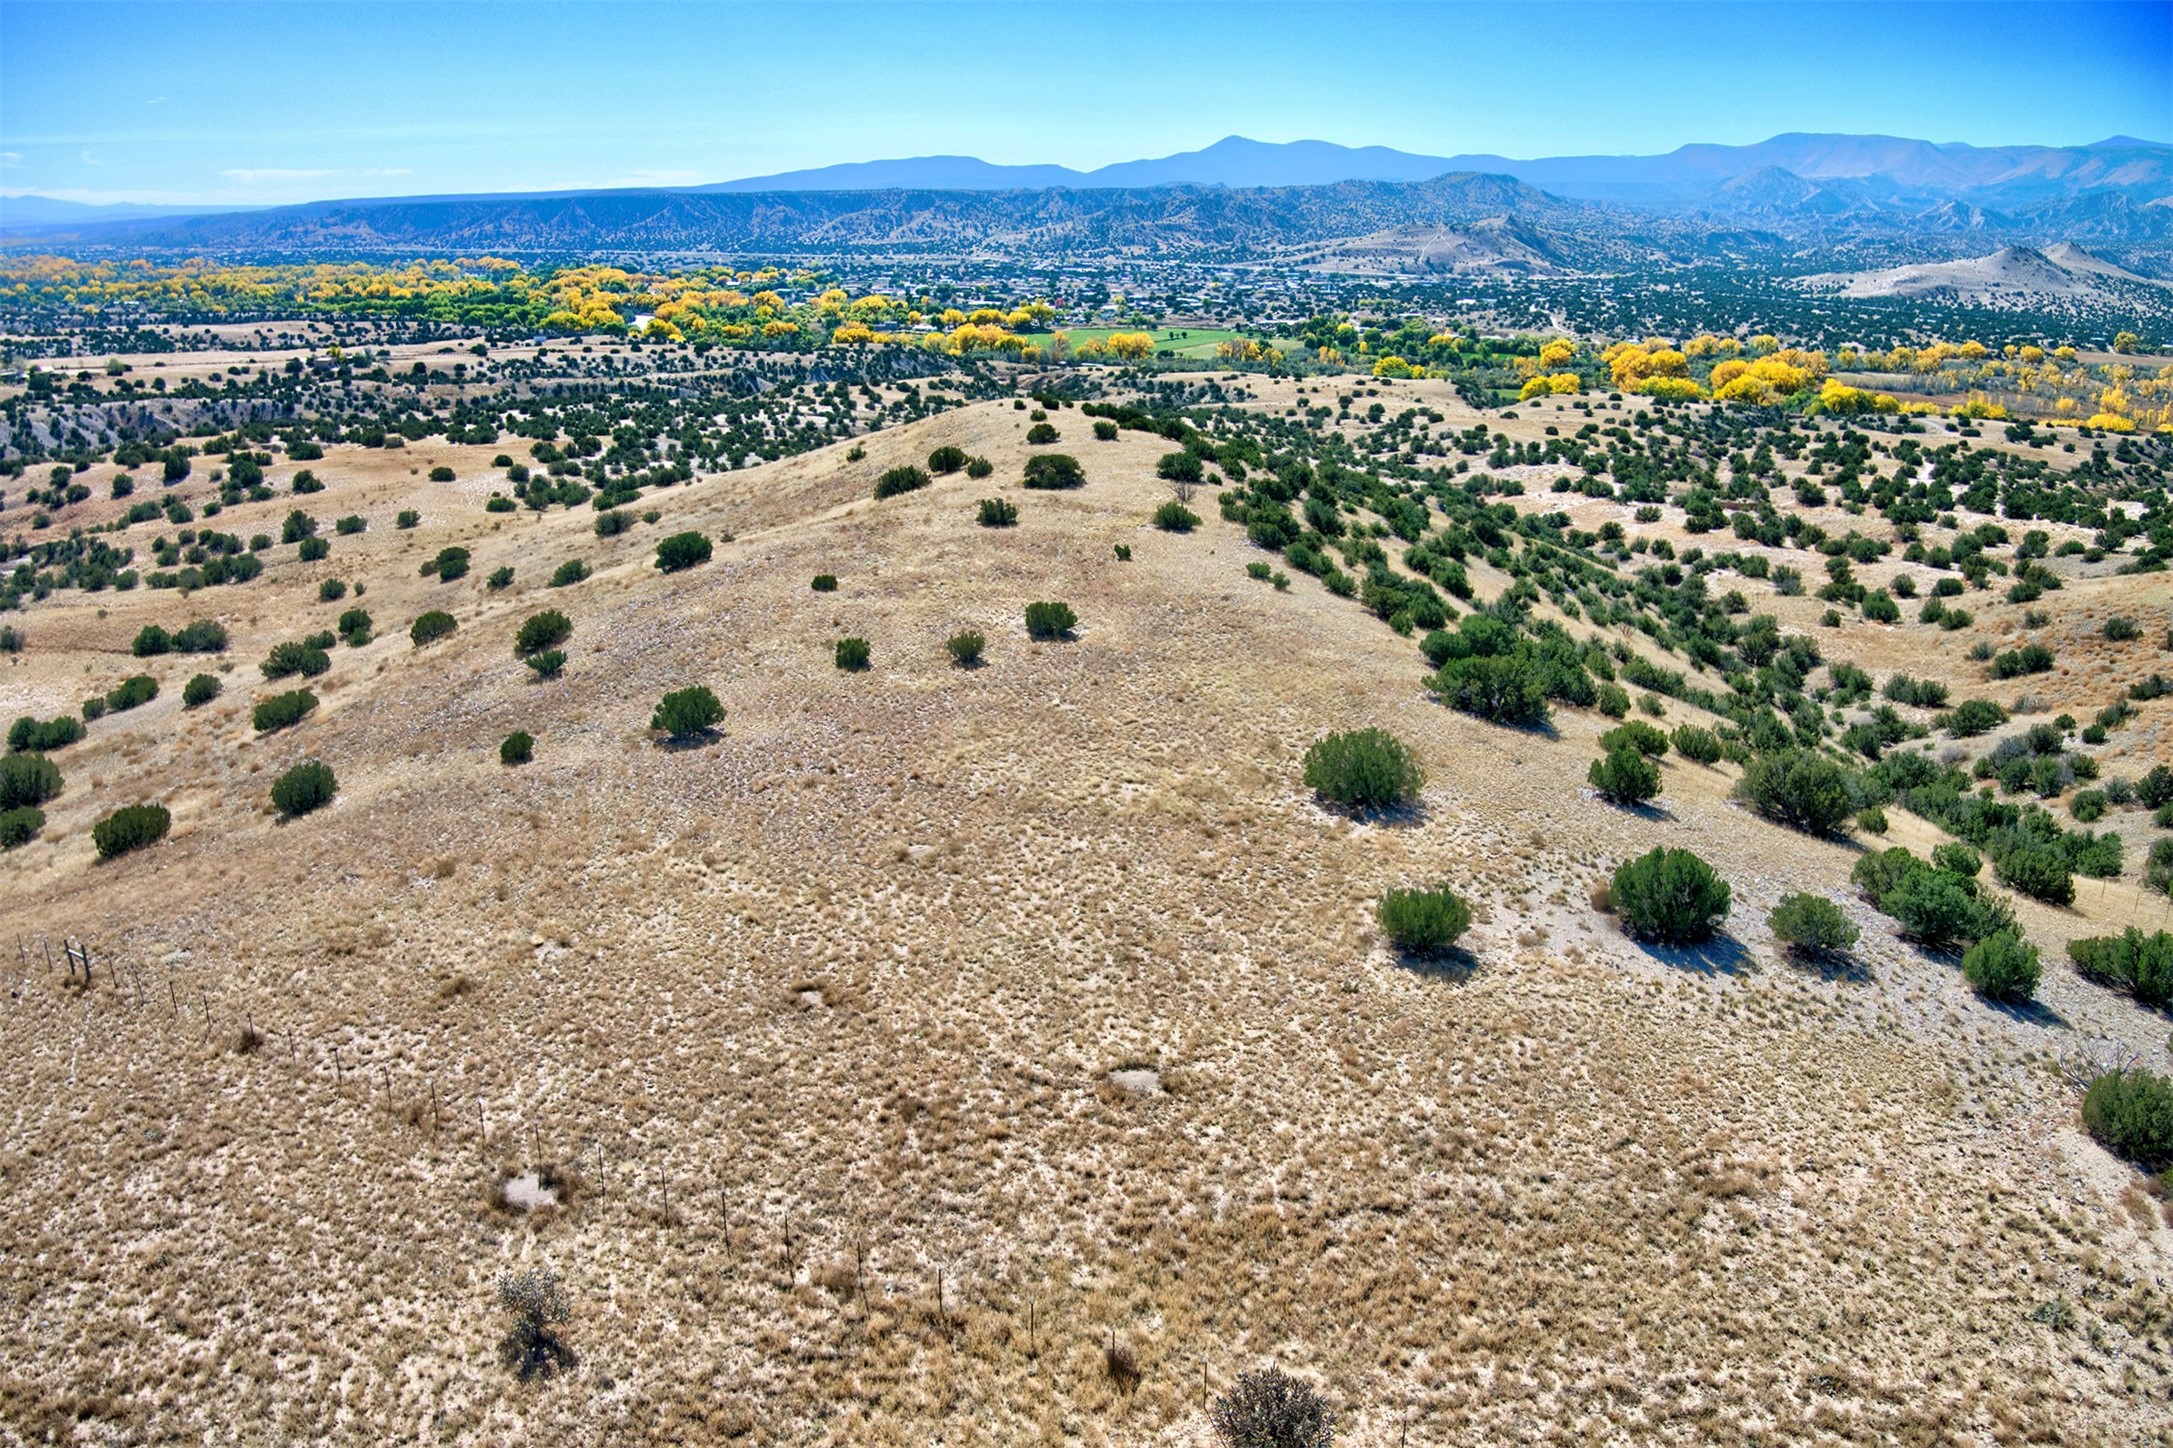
1367, 769
1670, 896
1625, 776
687, 713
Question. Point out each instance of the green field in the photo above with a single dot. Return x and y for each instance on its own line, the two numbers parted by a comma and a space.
1197, 342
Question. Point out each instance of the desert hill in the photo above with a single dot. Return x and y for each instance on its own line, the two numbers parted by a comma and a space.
2012, 277
990, 1055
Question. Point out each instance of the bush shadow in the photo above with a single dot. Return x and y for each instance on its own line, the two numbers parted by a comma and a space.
1829, 966
1454, 965
1721, 955
676, 745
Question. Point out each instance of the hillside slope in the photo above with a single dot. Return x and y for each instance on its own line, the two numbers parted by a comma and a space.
815, 1027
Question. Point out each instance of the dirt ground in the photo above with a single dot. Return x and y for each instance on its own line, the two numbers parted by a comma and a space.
815, 1023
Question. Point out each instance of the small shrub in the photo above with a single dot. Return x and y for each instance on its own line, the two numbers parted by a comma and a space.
1054, 472
612, 522
1637, 735
27, 780
1050, 620
304, 788
94, 707
1502, 688
547, 665
824, 583
1041, 434
572, 571
907, 479
965, 648
11, 640
1611, 700
681, 550
1670, 896
1369, 769
2130, 1112
282, 710
2038, 871
997, 513
290, 658
2155, 788
132, 693
1812, 925
2141, 965
441, 474
42, 737
200, 690
1104, 430
151, 641
1271, 1409
352, 523
540, 631
500, 579
131, 827
2029, 659
1423, 922
1799, 789
431, 627
1175, 517
354, 627
687, 713
19, 826
532, 1347
1699, 746
946, 460
1958, 860
314, 550
517, 748
408, 518
1178, 467
1972, 717
2122, 630
1124, 552
450, 564
2088, 805
852, 654
1624, 776
2002, 967
499, 503
1871, 820
979, 468
332, 590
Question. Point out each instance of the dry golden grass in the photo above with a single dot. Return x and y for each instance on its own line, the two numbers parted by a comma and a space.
816, 1021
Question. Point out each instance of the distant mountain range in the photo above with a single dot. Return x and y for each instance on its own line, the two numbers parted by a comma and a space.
1683, 176
19, 213
1859, 201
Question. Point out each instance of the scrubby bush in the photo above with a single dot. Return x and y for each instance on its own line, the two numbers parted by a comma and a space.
979, 468
19, 826
151, 641
1700, 746
965, 647
2155, 788
547, 664
1972, 717
1363, 769
431, 627
681, 550
2002, 967
1179, 467
997, 513
612, 522
1637, 735
532, 1347
1271, 1409
332, 590
450, 564
852, 654
282, 710
44, 736
1050, 620
687, 713
200, 690
1053, 471
1624, 776
1871, 820
316, 550
291, 658
1958, 860
1104, 430
2120, 630
1670, 896
1175, 517
2130, 1112
2039, 871
131, 827
27, 780
517, 748
1799, 789
2088, 805
2141, 965
572, 571
540, 631
1612, 699
1935, 907
441, 474
132, 693
500, 579
1041, 434
946, 459
906, 479
1504, 688
304, 788
1423, 922
2029, 659
94, 707
1812, 925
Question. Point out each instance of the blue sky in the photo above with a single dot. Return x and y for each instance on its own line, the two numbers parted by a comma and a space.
253, 103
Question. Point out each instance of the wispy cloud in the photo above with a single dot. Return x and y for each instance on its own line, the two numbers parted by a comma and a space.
11, 158
273, 175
